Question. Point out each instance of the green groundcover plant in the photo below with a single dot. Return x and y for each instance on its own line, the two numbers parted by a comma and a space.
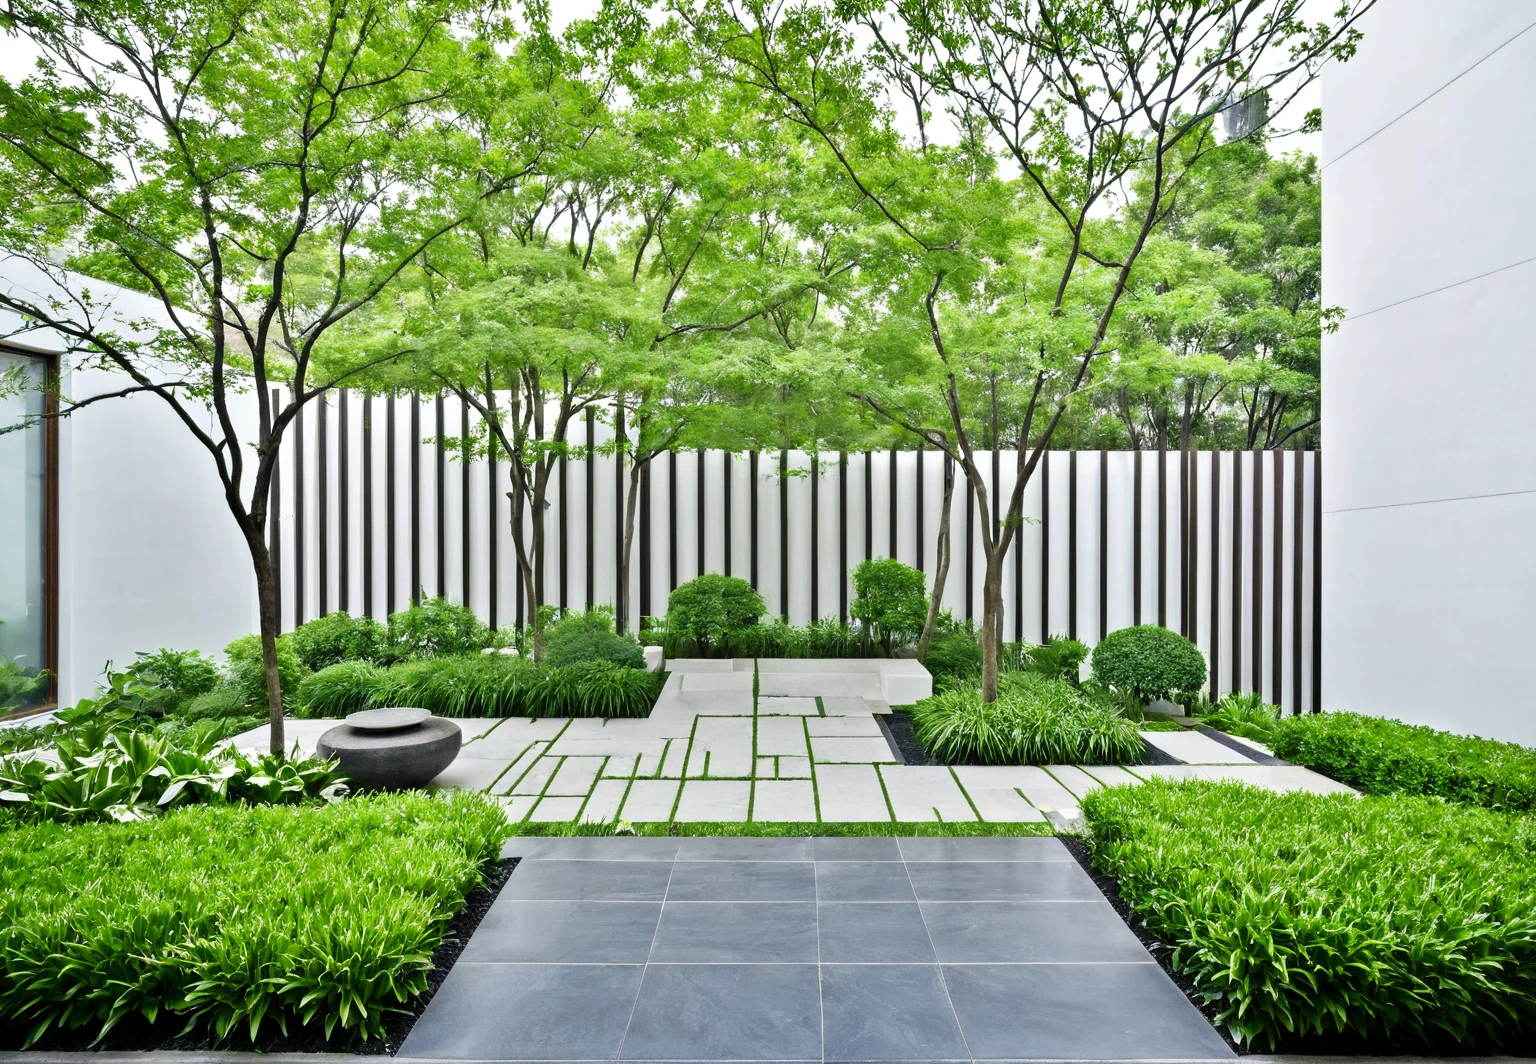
483, 685
1036, 720
1381, 756
236, 920
1311, 922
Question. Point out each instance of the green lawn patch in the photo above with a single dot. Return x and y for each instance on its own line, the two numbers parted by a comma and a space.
1333, 923
231, 919
1381, 756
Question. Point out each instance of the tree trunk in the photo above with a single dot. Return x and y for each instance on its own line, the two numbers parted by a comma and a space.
266, 601
991, 624
942, 574
621, 607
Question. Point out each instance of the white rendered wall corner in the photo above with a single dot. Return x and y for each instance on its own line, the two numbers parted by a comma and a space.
149, 555
1429, 486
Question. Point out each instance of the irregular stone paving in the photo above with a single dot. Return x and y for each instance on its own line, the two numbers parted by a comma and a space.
807, 747
802, 949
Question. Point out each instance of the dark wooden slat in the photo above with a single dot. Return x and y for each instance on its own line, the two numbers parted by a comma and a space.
672, 518
344, 505
323, 504
1257, 669
869, 505
645, 542
1277, 589
893, 503
466, 573
1162, 537
727, 460
752, 515
367, 513
1215, 573
1018, 568
274, 524
1237, 571
970, 558
842, 536
620, 594
562, 525
699, 493
300, 532
1045, 545
1298, 565
591, 486
440, 487
1193, 588
492, 526
784, 532
1185, 602
391, 518
415, 437
1103, 543
1136, 539
918, 511
1072, 544
1317, 581
815, 536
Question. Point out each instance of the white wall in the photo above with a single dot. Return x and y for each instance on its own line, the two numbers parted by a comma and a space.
149, 555
1429, 497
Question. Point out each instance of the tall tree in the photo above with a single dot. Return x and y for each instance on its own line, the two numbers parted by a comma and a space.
1078, 97
264, 169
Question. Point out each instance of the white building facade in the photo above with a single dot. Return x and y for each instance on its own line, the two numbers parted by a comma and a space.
1429, 486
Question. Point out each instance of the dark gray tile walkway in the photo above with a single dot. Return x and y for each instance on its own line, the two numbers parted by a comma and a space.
790, 950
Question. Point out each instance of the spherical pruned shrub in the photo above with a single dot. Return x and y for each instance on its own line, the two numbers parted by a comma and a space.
708, 610
1149, 661
337, 637
891, 599
589, 636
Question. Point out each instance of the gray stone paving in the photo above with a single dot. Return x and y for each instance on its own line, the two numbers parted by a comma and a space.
802, 949
808, 748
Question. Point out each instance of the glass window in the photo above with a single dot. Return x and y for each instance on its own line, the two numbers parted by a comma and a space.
23, 526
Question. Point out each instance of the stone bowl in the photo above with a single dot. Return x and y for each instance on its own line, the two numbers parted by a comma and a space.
392, 759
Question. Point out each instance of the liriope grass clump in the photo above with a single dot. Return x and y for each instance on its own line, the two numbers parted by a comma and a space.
236, 921
1036, 720
1333, 923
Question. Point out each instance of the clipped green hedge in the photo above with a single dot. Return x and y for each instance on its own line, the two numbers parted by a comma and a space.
1036, 720
1333, 923
236, 920
483, 685
1381, 756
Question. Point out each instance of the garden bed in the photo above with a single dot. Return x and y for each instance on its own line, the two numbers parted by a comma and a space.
185, 931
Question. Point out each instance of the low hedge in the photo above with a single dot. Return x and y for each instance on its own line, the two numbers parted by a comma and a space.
1036, 720
1382, 756
234, 920
483, 685
1333, 923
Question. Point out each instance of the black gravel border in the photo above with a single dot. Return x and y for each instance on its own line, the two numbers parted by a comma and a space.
142, 1037
1258, 756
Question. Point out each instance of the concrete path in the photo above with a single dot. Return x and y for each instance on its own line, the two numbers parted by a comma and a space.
854, 949
808, 747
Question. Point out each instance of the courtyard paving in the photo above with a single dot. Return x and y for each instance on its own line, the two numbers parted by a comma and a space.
807, 746
801, 949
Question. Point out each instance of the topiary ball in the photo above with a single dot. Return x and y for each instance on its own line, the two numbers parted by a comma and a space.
1149, 661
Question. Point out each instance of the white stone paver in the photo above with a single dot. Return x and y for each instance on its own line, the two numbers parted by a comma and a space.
620, 766
718, 703
551, 810
722, 747
810, 684
1074, 779
842, 750
521, 767
717, 681
672, 763
538, 775
1195, 749
767, 768
797, 706
994, 789
784, 801
650, 800
778, 736
1111, 775
925, 792
794, 768
518, 806
575, 777
1278, 778
471, 774
850, 794
864, 726
848, 706
603, 806
711, 800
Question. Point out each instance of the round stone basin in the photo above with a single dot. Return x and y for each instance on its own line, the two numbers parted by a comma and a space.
392, 756
386, 719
